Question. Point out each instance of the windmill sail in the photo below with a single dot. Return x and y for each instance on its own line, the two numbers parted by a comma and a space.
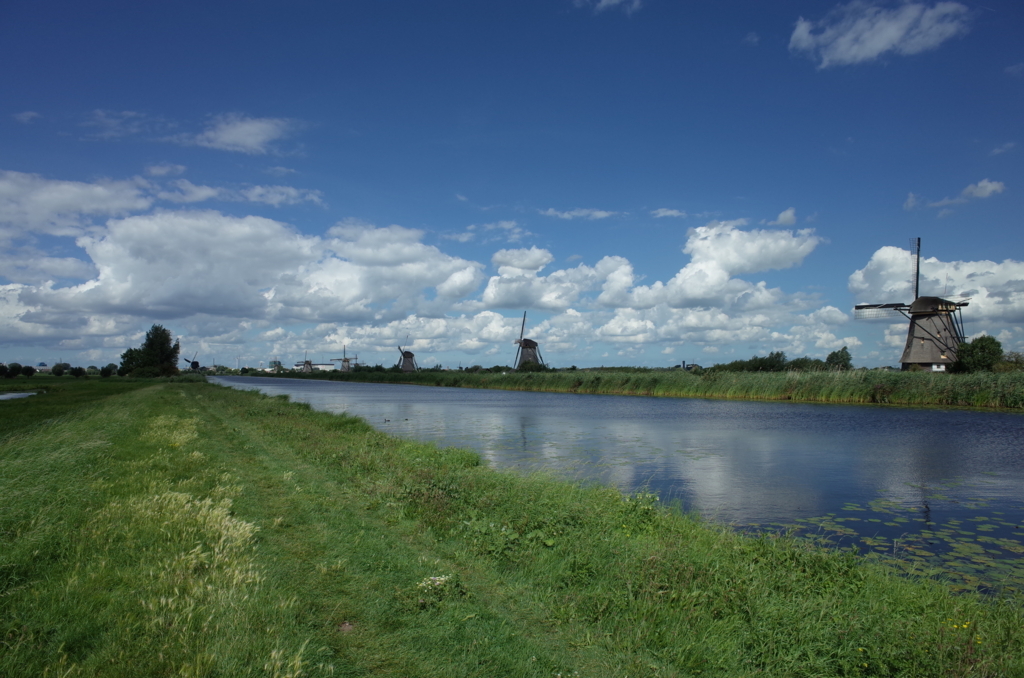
407, 360
529, 350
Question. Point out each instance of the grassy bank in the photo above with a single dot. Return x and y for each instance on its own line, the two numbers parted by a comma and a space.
858, 386
187, 529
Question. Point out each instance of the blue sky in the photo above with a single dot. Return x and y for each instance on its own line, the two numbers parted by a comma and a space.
651, 181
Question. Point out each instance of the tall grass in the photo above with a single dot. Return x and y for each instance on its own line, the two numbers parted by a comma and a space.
190, 530
990, 390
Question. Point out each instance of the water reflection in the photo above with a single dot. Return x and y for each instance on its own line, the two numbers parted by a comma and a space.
742, 462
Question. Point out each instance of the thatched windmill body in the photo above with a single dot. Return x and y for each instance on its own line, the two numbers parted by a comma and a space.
936, 325
529, 350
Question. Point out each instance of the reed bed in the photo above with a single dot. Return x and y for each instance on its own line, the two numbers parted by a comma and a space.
983, 390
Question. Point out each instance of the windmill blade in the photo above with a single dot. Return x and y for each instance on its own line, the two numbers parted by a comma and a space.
515, 362
194, 357
879, 311
915, 252
523, 328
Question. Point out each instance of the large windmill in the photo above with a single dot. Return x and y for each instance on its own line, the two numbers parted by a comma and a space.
346, 362
406, 360
936, 324
529, 350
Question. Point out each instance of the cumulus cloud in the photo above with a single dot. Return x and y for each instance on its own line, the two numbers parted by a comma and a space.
996, 289
281, 195
110, 125
1016, 70
26, 116
663, 212
786, 218
863, 31
578, 214
241, 134
189, 192
31, 203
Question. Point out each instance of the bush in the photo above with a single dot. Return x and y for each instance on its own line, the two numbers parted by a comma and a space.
77, 372
3, 370
979, 355
532, 367
28, 371
13, 370
108, 370
57, 370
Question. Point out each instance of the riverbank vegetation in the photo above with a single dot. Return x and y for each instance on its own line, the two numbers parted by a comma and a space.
979, 389
187, 529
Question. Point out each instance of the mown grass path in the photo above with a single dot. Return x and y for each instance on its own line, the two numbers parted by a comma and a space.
193, 530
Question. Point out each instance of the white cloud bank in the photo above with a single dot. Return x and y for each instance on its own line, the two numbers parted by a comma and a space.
240, 133
863, 31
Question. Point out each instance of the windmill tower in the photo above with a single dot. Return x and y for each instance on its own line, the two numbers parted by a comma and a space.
193, 364
936, 325
528, 351
407, 360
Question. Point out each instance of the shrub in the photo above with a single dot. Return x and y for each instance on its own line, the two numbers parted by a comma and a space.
57, 370
3, 370
28, 371
108, 370
77, 372
13, 370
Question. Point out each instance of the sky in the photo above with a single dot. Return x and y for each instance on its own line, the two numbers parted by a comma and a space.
650, 181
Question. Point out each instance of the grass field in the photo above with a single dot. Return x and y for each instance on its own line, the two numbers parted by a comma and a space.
191, 530
987, 390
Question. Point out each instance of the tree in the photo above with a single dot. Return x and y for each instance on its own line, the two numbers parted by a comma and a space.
157, 357
3, 370
28, 371
108, 370
57, 370
77, 372
13, 370
979, 355
840, 360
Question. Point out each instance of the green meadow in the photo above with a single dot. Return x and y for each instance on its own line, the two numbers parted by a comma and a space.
980, 389
157, 528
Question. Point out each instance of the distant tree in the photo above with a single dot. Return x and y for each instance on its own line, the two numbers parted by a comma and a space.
108, 370
3, 370
533, 367
840, 360
1013, 361
157, 357
28, 370
806, 364
77, 372
13, 370
979, 355
57, 370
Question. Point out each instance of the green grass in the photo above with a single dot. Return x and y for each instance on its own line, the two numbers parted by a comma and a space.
186, 529
986, 390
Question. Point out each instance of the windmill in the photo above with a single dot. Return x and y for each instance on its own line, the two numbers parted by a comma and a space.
346, 362
528, 351
193, 364
407, 359
936, 324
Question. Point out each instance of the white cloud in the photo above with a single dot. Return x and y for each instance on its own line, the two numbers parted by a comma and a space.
984, 189
786, 218
1016, 70
279, 171
662, 212
117, 124
1002, 148
578, 214
996, 289
460, 197
863, 31
189, 192
510, 230
280, 195
165, 170
532, 259
911, 202
240, 133
26, 116
752, 38
629, 6
28, 202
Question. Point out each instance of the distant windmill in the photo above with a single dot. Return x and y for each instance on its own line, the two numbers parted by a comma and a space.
407, 359
193, 364
936, 325
528, 351
346, 362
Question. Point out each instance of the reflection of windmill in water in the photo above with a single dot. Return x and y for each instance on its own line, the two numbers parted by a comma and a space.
528, 351
407, 359
936, 325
